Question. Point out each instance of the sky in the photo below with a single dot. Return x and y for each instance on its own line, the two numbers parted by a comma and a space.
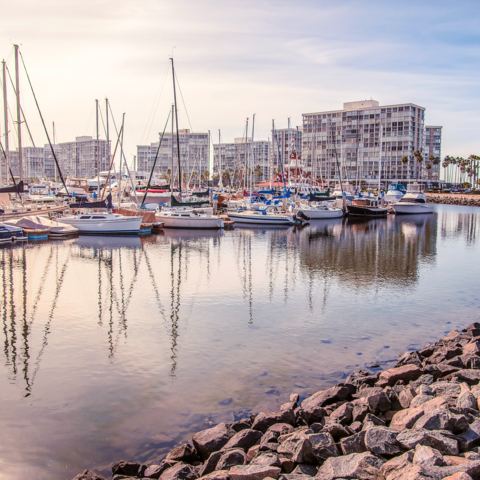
275, 59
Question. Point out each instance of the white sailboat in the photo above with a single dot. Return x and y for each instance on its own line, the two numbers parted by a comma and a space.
103, 223
188, 219
319, 211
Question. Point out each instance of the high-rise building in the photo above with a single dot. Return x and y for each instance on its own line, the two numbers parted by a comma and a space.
349, 142
194, 150
288, 139
433, 147
35, 165
243, 153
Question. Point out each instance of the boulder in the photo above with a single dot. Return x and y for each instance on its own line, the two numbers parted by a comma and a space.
442, 419
305, 469
434, 404
218, 475
281, 428
467, 400
355, 427
407, 358
212, 439
472, 348
286, 464
424, 390
409, 439
382, 441
343, 414
396, 463
325, 397
89, 475
129, 469
253, 472
444, 353
336, 431
406, 418
231, 458
420, 400
424, 454
393, 397
269, 441
297, 448
451, 461
375, 420
267, 460
406, 373
472, 377
459, 476
184, 453
379, 403
210, 465
252, 452
356, 465
180, 471
425, 379
323, 445
264, 420
360, 409
406, 396
244, 439
154, 471
288, 406
354, 444
294, 397
470, 438
242, 424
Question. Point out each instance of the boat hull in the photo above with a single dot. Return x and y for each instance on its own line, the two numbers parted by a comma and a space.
412, 208
191, 223
319, 214
261, 219
117, 226
367, 212
11, 234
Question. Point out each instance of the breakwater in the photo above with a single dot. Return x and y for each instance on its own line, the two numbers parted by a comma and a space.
419, 419
454, 199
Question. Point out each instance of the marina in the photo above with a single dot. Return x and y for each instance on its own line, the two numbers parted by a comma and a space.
121, 347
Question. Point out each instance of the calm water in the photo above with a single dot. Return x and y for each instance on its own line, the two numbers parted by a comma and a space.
119, 348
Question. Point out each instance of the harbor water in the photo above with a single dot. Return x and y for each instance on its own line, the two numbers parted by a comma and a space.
122, 347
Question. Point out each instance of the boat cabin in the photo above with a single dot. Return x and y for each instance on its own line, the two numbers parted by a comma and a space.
366, 202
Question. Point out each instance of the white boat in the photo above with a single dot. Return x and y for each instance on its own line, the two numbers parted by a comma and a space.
414, 201
395, 192
261, 217
321, 210
103, 223
188, 219
345, 189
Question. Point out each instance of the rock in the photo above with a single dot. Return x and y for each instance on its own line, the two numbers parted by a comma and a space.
242, 424
326, 397
424, 390
180, 471
379, 402
323, 445
252, 452
365, 392
459, 476
354, 444
442, 419
472, 455
294, 397
253, 472
269, 441
434, 404
445, 369
406, 418
472, 348
409, 439
288, 406
382, 440
126, 468
427, 351
425, 379
342, 414
336, 431
356, 465
451, 461
267, 460
444, 353
286, 464
470, 438
304, 469
298, 448
291, 476
393, 397
355, 427
420, 400
375, 420
410, 358
89, 475
360, 409
393, 375
406, 396
264, 420
212, 439
367, 426
184, 453
231, 458
210, 465
471, 377
428, 454
218, 475
396, 463
244, 439
467, 400
281, 428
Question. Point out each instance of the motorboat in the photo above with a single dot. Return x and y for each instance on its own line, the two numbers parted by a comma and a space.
188, 219
413, 202
395, 192
366, 207
103, 223
319, 211
262, 217
10, 233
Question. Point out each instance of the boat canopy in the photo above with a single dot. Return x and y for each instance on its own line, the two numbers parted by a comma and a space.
107, 203
201, 194
18, 188
175, 203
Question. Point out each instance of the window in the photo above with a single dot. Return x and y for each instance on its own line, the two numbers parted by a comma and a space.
382, 111
87, 217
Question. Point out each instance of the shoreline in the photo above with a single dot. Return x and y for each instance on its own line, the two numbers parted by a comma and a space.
419, 419
454, 199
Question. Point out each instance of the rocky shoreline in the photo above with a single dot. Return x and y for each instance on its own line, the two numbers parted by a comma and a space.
454, 199
418, 420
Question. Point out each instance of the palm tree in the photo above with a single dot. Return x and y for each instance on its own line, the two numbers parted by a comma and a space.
417, 154
226, 176
405, 161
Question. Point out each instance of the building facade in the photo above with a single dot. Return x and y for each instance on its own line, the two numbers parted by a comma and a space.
287, 140
35, 164
194, 153
350, 142
433, 148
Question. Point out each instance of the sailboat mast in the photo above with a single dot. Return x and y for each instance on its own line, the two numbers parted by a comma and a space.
220, 182
5, 118
171, 174
19, 122
120, 191
108, 140
253, 156
246, 156
97, 151
380, 159
272, 157
176, 124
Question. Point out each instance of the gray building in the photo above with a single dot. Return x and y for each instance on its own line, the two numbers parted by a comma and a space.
433, 147
194, 153
357, 134
35, 165
288, 139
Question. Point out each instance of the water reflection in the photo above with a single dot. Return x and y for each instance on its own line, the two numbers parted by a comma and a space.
178, 322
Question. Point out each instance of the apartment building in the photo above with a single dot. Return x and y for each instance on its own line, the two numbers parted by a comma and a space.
243, 152
194, 153
351, 142
35, 165
433, 147
287, 140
